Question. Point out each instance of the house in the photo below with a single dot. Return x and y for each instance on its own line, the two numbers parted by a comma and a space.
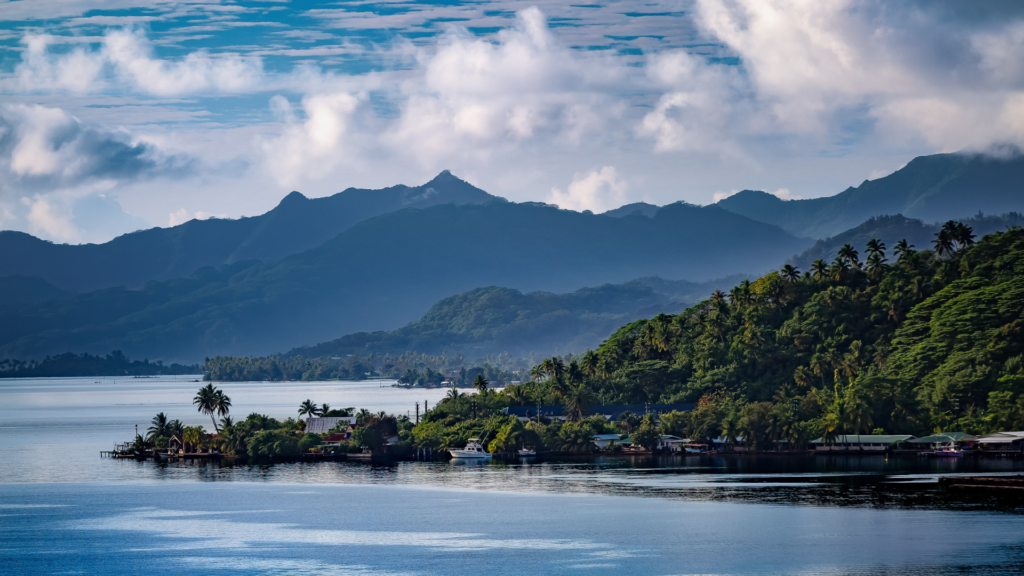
605, 440
864, 442
672, 443
609, 411
315, 425
1002, 441
175, 444
939, 441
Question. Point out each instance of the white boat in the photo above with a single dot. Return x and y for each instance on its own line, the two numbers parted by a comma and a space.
472, 450
950, 451
527, 452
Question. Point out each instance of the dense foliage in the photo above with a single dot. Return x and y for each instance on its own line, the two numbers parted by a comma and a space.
408, 368
71, 364
929, 340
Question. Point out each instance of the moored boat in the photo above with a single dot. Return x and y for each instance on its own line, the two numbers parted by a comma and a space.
472, 450
950, 451
527, 452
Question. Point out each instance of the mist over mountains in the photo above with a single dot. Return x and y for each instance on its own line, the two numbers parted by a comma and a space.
446, 265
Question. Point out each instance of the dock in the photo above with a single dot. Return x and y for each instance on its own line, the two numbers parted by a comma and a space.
1013, 484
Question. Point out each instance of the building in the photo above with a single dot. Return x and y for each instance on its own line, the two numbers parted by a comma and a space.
1001, 441
609, 411
939, 441
316, 425
605, 440
864, 442
671, 443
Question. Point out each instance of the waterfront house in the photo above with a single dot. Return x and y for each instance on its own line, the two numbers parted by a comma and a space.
939, 441
605, 440
863, 443
324, 425
608, 411
1001, 441
672, 443
175, 444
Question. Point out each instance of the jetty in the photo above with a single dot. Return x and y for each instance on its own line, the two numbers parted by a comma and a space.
1013, 484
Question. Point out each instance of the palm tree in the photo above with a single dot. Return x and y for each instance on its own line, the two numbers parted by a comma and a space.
876, 247
858, 414
718, 297
820, 269
308, 408
963, 235
557, 368
590, 363
175, 427
903, 250
802, 377
875, 265
577, 402
160, 427
454, 394
210, 400
324, 409
226, 422
574, 374
944, 243
849, 254
790, 272
192, 435
819, 366
839, 269
480, 383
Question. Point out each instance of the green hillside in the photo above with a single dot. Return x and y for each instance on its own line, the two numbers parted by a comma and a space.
387, 271
926, 340
494, 320
932, 188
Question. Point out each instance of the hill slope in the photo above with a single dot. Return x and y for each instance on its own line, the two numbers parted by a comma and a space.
931, 188
296, 224
386, 272
493, 320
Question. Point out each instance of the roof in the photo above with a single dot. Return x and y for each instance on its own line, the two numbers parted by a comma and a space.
867, 439
942, 437
612, 411
606, 436
325, 425
336, 437
1000, 438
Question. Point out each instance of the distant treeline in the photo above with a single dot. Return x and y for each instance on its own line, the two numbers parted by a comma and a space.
408, 367
71, 364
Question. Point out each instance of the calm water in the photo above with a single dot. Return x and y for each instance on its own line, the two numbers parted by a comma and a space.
65, 510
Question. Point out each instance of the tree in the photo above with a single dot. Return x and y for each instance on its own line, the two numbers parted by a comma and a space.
648, 435
210, 400
324, 409
480, 383
848, 254
903, 250
820, 269
577, 402
875, 246
193, 435
628, 421
453, 394
308, 408
160, 427
790, 273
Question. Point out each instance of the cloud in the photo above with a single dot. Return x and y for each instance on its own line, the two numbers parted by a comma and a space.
598, 191
313, 148
182, 215
45, 147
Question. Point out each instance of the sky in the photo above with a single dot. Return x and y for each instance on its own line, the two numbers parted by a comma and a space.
117, 115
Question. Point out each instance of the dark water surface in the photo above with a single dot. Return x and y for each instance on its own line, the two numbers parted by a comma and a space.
65, 510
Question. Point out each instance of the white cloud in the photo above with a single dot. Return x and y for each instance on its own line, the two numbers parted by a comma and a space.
719, 196
313, 148
597, 191
182, 215
50, 219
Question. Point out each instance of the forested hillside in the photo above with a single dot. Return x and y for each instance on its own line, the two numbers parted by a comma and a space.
932, 188
388, 271
892, 338
497, 320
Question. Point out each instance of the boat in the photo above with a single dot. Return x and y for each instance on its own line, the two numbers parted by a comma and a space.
527, 452
472, 450
950, 451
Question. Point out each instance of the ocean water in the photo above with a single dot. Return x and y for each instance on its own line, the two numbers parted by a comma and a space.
65, 510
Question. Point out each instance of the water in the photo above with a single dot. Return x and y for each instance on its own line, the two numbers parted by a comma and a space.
63, 509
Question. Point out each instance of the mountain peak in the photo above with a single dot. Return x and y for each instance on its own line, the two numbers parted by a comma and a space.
293, 198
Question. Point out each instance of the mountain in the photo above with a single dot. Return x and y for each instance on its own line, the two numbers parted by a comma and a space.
643, 208
387, 271
931, 188
892, 229
493, 320
296, 224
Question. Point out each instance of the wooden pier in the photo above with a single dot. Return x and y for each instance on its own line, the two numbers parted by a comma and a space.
1013, 484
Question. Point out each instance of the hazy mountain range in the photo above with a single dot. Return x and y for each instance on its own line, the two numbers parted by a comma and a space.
370, 261
930, 188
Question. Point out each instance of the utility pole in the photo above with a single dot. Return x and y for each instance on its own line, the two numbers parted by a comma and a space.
417, 412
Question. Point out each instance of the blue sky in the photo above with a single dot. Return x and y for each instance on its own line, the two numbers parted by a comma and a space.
124, 114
